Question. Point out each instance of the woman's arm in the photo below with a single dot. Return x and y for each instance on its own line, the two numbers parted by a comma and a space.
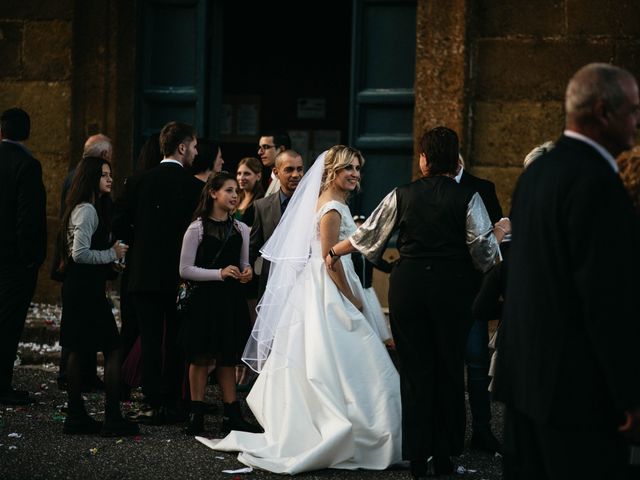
245, 268
84, 220
481, 240
372, 236
329, 233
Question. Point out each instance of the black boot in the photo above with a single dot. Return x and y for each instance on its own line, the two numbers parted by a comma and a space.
418, 469
116, 426
78, 422
442, 465
196, 419
233, 420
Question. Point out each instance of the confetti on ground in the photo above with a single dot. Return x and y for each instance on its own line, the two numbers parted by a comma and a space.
12, 447
119, 441
93, 451
220, 458
240, 470
57, 417
137, 438
15, 435
461, 470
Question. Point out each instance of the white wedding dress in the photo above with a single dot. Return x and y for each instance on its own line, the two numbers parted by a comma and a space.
338, 406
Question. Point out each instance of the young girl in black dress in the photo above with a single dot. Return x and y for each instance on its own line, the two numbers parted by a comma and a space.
215, 256
88, 324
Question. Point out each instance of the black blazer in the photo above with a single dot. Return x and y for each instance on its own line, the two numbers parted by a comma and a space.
267, 212
152, 214
23, 243
487, 192
568, 353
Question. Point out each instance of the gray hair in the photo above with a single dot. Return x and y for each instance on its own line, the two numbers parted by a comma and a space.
537, 152
98, 145
593, 82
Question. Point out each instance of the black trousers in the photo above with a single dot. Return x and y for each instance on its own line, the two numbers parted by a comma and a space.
17, 286
536, 451
429, 303
162, 359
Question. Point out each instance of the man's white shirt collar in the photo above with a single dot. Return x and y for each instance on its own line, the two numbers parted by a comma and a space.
458, 177
599, 148
171, 160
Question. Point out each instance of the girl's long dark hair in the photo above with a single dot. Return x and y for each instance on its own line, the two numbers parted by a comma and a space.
214, 183
85, 187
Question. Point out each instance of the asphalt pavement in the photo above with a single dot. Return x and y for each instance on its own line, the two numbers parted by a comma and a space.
32, 445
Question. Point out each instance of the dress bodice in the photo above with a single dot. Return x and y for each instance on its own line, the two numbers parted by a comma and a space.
347, 225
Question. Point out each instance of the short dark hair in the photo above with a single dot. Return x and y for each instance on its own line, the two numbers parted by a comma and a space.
15, 124
206, 157
173, 134
280, 138
440, 146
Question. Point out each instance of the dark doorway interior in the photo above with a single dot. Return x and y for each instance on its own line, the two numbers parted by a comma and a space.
273, 60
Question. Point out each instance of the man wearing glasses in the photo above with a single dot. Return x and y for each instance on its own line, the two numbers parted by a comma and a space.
271, 143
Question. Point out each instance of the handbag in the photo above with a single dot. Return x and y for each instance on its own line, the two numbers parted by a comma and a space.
187, 287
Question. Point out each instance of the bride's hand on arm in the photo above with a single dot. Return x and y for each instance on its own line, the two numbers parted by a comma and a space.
339, 249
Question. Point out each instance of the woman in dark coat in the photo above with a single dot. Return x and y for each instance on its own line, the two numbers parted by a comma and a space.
444, 236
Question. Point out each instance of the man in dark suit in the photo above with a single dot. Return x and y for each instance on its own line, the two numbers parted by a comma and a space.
23, 243
568, 365
155, 211
477, 351
268, 210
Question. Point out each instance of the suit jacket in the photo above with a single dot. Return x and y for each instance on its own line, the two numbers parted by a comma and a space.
153, 213
267, 215
568, 341
23, 243
487, 192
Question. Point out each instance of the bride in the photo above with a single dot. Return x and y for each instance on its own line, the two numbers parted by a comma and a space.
328, 395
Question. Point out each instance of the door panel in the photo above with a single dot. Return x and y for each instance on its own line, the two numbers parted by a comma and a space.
382, 95
173, 65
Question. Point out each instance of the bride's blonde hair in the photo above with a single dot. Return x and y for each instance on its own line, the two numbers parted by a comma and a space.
338, 158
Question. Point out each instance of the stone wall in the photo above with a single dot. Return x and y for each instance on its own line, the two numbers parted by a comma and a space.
70, 65
36, 56
518, 57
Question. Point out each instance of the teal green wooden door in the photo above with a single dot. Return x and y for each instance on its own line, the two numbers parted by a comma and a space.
382, 95
174, 65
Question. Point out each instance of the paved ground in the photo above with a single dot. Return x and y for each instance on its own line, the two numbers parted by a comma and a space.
32, 446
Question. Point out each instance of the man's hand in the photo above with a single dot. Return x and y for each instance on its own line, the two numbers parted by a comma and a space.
631, 427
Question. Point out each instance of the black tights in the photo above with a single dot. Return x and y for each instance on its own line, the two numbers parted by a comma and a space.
112, 381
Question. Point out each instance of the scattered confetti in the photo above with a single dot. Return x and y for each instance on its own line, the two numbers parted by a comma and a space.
220, 458
15, 435
93, 451
119, 441
12, 447
137, 438
240, 470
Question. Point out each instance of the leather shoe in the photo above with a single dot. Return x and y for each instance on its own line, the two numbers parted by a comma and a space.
15, 397
485, 441
119, 427
442, 466
80, 424
147, 415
